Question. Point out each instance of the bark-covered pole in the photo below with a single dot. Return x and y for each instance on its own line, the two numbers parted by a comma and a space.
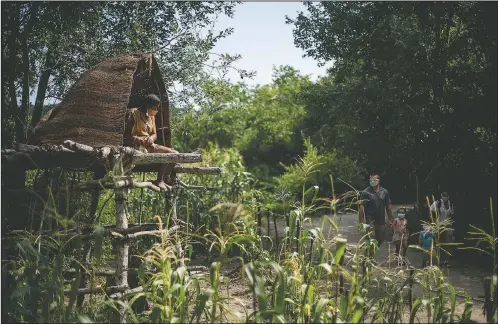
122, 167
174, 216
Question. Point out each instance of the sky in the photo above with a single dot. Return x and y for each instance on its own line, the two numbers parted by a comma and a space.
263, 39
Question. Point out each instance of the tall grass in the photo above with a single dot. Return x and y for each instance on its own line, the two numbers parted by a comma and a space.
313, 276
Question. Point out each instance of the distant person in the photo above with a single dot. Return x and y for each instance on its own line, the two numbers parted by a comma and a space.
140, 133
426, 241
444, 209
375, 203
400, 234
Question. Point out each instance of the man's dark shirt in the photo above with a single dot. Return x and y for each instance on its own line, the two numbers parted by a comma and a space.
375, 204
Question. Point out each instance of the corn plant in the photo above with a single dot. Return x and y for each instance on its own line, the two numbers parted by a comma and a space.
487, 244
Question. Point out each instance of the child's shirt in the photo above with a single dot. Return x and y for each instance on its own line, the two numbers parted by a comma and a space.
400, 230
426, 239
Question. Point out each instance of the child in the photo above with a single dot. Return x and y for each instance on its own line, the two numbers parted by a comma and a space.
400, 234
425, 240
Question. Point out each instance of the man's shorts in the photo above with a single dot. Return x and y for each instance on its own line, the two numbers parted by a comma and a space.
379, 231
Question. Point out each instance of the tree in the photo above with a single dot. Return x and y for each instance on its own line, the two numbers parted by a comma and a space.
48, 45
410, 91
261, 122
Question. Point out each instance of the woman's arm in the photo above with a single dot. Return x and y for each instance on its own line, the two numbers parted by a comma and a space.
153, 136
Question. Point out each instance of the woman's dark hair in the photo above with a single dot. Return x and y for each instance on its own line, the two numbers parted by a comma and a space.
148, 101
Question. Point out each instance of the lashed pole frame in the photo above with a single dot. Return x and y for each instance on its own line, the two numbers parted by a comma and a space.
120, 160
122, 167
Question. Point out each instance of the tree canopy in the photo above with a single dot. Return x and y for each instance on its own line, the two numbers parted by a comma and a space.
412, 92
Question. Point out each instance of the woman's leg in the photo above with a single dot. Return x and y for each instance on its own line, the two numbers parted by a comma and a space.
164, 168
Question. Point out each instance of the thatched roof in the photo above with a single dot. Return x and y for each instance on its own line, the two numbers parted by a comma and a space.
93, 110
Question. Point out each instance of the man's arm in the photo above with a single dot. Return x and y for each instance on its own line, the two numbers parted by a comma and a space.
389, 213
362, 213
389, 208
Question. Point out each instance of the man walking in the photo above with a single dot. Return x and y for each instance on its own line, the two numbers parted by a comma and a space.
375, 203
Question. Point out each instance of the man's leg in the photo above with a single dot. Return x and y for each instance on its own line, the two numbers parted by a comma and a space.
444, 238
380, 233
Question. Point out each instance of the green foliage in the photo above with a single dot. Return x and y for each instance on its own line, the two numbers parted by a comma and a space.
261, 122
57, 42
410, 91
234, 184
325, 165
307, 280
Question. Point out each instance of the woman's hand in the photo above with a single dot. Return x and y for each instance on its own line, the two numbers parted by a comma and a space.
139, 140
149, 140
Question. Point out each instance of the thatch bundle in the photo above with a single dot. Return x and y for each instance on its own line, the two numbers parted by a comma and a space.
93, 111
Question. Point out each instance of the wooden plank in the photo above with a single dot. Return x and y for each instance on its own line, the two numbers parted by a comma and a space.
151, 158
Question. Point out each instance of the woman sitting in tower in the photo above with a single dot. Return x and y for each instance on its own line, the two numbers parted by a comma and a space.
140, 133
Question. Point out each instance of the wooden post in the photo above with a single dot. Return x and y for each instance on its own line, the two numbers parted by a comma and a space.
341, 277
174, 216
410, 288
268, 222
489, 303
276, 231
121, 196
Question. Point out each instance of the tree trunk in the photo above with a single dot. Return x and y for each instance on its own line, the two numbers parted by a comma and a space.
12, 77
418, 191
122, 215
42, 88
23, 113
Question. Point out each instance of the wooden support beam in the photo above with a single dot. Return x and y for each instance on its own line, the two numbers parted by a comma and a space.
41, 160
198, 170
109, 272
98, 290
122, 183
25, 148
77, 155
151, 158
89, 232
127, 292
136, 235
192, 187
179, 168
123, 247
97, 272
